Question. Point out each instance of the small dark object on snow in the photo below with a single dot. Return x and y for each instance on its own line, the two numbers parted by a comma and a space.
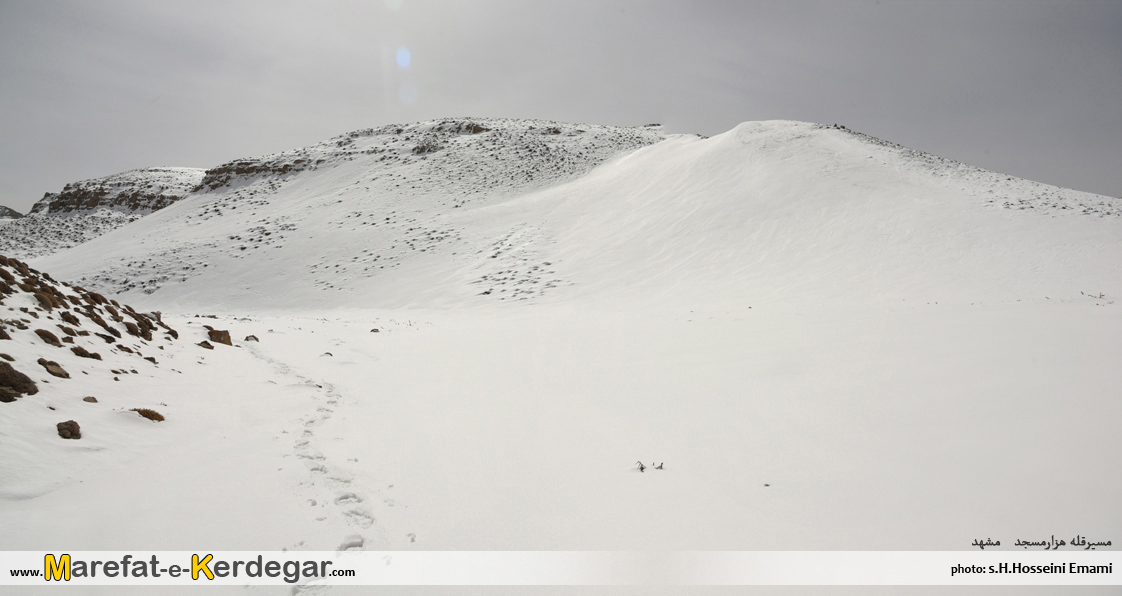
48, 337
205, 344
222, 337
81, 352
69, 430
642, 468
659, 466
152, 415
91, 399
53, 368
7, 357
251, 338
375, 330
150, 359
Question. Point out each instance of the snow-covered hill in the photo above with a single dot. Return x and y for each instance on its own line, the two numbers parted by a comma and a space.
87, 209
7, 213
463, 334
463, 212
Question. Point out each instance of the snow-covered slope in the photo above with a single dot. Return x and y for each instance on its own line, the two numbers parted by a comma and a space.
87, 209
471, 330
7, 213
454, 213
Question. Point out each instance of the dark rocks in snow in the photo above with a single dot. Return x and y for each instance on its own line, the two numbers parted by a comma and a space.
69, 430
70, 318
83, 353
90, 399
220, 336
152, 415
4, 334
108, 338
251, 338
16, 381
7, 357
48, 337
54, 368
205, 344
9, 213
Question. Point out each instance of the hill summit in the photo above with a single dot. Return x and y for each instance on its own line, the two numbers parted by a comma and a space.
462, 212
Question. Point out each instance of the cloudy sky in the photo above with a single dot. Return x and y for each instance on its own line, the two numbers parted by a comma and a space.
89, 89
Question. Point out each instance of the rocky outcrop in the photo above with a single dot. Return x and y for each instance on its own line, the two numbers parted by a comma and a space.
136, 191
55, 308
87, 209
9, 213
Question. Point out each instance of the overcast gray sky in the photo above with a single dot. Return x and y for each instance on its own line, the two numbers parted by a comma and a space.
89, 89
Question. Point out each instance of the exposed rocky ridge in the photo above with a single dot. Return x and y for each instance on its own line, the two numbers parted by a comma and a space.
87, 209
9, 213
463, 156
135, 192
67, 331
390, 179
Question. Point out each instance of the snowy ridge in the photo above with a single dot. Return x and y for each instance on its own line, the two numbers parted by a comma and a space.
1001, 190
390, 190
87, 209
472, 212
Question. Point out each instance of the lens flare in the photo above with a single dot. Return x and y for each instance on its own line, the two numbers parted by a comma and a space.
404, 58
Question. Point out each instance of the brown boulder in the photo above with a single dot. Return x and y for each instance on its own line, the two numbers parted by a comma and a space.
4, 334
48, 337
69, 430
82, 352
7, 357
206, 344
8, 395
90, 399
53, 368
222, 337
70, 318
16, 381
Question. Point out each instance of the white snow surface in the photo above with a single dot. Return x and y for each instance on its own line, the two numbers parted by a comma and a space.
832, 342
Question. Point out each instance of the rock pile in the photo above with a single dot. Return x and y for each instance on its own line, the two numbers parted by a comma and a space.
60, 327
